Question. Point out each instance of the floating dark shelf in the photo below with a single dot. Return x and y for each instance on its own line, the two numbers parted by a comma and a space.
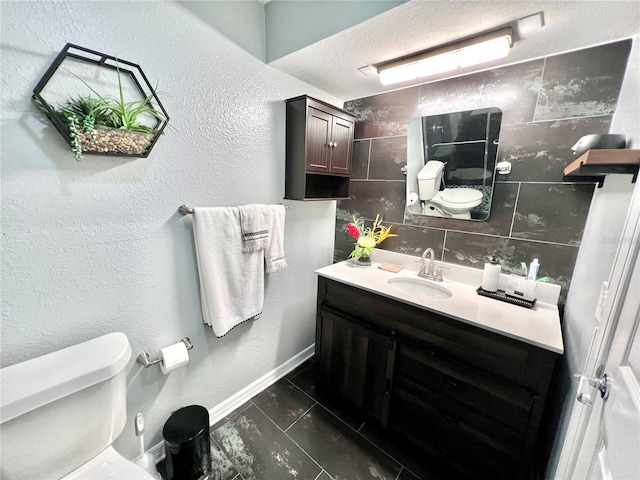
594, 165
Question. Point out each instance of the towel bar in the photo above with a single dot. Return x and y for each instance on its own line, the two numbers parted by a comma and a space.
184, 210
143, 358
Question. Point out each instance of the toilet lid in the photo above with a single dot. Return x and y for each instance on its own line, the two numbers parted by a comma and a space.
461, 195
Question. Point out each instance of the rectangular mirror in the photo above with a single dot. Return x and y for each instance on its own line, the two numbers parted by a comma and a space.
451, 161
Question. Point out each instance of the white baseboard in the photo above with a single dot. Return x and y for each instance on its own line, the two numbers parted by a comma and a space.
224, 408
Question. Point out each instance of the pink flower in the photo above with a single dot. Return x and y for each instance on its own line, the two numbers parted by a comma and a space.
353, 230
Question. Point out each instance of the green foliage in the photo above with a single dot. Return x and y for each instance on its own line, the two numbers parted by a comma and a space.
88, 111
125, 115
113, 112
74, 129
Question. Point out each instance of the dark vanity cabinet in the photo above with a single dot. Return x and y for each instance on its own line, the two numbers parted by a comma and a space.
466, 397
319, 148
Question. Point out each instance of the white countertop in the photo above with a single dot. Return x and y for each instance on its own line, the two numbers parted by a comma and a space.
539, 326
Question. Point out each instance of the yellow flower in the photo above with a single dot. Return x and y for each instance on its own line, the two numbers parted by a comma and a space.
384, 234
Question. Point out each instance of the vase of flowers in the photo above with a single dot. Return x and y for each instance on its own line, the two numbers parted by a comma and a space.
367, 238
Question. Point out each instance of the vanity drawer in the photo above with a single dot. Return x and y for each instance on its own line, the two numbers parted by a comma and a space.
495, 354
451, 439
505, 404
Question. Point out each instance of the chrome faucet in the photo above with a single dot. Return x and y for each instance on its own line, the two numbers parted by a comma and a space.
429, 271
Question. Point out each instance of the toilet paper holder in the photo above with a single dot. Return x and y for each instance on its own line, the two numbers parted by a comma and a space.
144, 359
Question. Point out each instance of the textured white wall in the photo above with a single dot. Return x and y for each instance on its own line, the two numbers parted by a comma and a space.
95, 247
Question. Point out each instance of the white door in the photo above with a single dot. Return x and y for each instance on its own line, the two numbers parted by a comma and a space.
611, 445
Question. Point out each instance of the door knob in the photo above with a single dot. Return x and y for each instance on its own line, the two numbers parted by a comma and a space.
603, 384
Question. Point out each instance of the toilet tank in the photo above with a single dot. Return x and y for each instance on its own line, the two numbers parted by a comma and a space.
429, 179
62, 409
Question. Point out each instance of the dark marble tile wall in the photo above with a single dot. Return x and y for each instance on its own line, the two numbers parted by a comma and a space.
547, 105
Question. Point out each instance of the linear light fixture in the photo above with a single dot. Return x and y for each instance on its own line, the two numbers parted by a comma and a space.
480, 49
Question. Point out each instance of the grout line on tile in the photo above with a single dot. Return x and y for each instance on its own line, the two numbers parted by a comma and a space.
546, 242
378, 138
224, 453
360, 180
600, 115
444, 245
291, 439
303, 450
361, 435
369, 159
511, 182
515, 208
302, 391
325, 472
297, 419
535, 108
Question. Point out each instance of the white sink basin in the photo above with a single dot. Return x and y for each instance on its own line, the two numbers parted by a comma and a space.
416, 286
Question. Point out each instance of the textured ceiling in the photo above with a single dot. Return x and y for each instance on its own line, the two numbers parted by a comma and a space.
332, 64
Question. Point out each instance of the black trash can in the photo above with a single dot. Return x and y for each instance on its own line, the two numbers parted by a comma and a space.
186, 444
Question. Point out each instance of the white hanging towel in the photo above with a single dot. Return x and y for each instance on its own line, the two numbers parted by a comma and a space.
231, 281
255, 222
274, 253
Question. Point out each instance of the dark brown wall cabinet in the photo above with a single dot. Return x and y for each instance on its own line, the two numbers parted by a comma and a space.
470, 399
318, 150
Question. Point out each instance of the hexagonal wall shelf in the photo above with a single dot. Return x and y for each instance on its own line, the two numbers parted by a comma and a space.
100, 104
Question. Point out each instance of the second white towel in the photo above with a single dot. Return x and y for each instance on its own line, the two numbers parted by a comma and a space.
274, 252
255, 222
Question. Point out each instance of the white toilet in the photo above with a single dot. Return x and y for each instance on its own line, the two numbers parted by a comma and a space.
450, 202
61, 412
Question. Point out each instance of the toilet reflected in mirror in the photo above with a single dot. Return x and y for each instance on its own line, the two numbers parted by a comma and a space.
451, 160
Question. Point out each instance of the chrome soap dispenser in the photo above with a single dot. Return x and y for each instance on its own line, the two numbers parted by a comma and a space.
491, 275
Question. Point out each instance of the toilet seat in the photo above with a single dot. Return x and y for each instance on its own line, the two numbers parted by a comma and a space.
108, 465
459, 199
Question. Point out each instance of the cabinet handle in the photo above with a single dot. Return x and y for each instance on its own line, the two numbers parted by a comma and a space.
335, 144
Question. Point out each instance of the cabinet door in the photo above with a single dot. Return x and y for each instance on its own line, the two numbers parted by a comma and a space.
318, 155
342, 141
356, 363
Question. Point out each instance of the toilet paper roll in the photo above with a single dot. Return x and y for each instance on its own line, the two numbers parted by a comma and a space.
173, 356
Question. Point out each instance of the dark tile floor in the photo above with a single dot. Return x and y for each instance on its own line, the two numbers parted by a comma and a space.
292, 431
